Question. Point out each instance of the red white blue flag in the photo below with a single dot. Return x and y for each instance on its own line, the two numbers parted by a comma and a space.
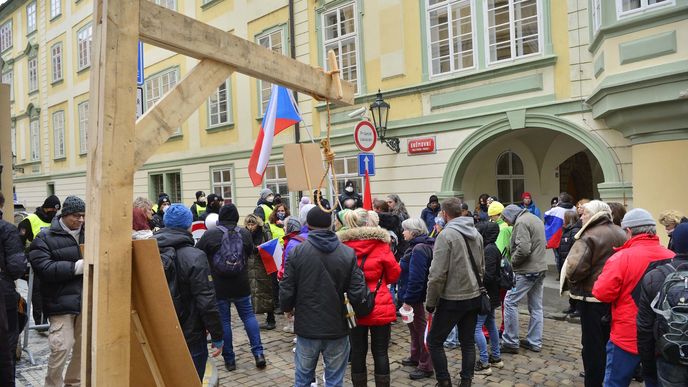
281, 113
271, 254
554, 226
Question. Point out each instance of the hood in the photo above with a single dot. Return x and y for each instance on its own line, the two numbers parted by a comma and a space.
364, 233
422, 239
568, 206
599, 218
511, 212
389, 221
44, 216
464, 225
173, 237
489, 232
324, 240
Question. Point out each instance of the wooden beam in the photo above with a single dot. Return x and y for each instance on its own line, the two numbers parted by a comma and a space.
159, 123
173, 31
6, 154
109, 186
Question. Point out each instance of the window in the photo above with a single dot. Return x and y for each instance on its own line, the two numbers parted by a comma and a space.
34, 130
8, 78
347, 169
55, 8
171, 4
222, 182
451, 35
510, 177
56, 55
82, 111
274, 41
218, 105
513, 29
157, 85
84, 42
276, 180
6, 35
33, 74
339, 34
631, 7
596, 15
31, 17
168, 182
59, 134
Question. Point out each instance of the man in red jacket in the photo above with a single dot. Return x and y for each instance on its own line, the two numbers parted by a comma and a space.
617, 284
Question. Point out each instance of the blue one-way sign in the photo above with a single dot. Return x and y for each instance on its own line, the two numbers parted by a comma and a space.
366, 161
139, 67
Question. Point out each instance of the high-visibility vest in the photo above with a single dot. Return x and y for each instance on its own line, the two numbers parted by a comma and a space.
200, 210
268, 211
37, 224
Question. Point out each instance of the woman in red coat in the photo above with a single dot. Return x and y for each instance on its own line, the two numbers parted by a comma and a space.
372, 243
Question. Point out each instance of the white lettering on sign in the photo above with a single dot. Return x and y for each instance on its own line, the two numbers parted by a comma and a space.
422, 145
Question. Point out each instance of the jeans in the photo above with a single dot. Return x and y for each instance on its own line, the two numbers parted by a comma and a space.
379, 343
532, 286
595, 330
671, 375
245, 310
489, 321
417, 329
335, 355
8, 338
199, 355
447, 315
452, 340
620, 366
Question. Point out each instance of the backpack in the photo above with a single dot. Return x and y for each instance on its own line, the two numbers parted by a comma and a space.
506, 274
671, 306
229, 260
368, 304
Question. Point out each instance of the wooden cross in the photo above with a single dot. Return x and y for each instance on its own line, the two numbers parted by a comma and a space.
118, 145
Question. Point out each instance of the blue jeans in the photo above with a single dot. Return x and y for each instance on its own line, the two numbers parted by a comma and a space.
532, 286
671, 375
335, 355
489, 321
621, 366
452, 340
199, 354
245, 310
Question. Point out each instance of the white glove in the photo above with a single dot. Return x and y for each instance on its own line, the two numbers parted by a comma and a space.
79, 267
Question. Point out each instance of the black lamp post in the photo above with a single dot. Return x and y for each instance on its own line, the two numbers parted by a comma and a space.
380, 112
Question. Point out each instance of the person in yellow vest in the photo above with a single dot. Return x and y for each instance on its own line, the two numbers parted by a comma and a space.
28, 230
199, 206
215, 202
276, 221
265, 204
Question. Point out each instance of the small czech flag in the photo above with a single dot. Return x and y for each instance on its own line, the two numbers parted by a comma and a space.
271, 254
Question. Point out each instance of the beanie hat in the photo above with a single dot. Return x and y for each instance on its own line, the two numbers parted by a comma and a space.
51, 202
495, 208
265, 192
292, 224
679, 238
178, 216
526, 195
637, 217
163, 195
349, 183
162, 200
214, 197
433, 199
199, 194
511, 212
229, 213
318, 218
72, 205
303, 213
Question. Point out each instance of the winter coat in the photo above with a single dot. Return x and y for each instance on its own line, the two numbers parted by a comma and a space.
391, 222
261, 284
354, 195
194, 210
373, 242
451, 274
260, 211
415, 267
532, 209
190, 284
568, 238
493, 261
157, 223
12, 260
428, 216
235, 286
504, 238
622, 272
53, 254
595, 243
291, 241
318, 273
528, 244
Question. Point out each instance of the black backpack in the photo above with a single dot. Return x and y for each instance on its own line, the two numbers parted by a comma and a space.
368, 304
506, 274
671, 306
229, 260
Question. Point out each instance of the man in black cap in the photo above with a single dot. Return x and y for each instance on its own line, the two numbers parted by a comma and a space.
430, 212
214, 203
350, 193
199, 206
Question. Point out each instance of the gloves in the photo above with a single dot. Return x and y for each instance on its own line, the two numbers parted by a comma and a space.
218, 344
430, 309
79, 267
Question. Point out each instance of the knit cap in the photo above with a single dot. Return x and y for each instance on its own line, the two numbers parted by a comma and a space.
433, 199
265, 192
637, 217
178, 216
680, 238
52, 201
495, 208
72, 205
229, 213
318, 218
511, 212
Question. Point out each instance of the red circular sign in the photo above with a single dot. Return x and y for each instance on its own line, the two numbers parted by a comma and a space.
365, 136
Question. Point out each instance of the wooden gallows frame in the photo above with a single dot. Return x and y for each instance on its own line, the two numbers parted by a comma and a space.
118, 145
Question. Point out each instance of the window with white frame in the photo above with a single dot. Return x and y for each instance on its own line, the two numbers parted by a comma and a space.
450, 28
219, 106
56, 60
222, 182
55, 8
275, 41
82, 111
340, 34
276, 180
171, 4
35, 133
59, 134
8, 78
6, 35
596, 15
347, 169
31, 17
157, 85
84, 38
510, 177
33, 74
168, 182
513, 29
631, 7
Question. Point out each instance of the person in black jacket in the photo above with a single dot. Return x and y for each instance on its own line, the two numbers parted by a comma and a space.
158, 221
572, 224
350, 194
233, 290
56, 258
199, 207
12, 267
319, 271
190, 284
658, 369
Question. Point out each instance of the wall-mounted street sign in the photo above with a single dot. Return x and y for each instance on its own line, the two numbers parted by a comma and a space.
366, 161
139, 67
422, 145
365, 136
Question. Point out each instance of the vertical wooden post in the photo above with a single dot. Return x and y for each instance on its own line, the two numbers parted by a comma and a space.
6, 153
108, 252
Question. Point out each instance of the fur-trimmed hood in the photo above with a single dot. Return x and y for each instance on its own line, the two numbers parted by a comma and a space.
364, 233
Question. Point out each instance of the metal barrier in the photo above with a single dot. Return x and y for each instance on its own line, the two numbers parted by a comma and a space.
29, 324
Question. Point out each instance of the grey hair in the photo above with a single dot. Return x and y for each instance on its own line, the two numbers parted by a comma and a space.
594, 206
647, 229
141, 202
415, 226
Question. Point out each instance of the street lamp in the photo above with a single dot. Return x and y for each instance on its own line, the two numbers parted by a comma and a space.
380, 112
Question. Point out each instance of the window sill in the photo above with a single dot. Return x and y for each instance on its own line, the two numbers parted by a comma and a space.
28, 163
176, 137
5, 51
57, 82
34, 92
61, 158
84, 154
55, 17
30, 34
220, 128
210, 4
83, 69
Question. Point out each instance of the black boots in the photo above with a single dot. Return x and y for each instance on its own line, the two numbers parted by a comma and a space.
444, 383
465, 383
382, 380
359, 380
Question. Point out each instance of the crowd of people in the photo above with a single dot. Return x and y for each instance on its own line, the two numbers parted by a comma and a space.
348, 273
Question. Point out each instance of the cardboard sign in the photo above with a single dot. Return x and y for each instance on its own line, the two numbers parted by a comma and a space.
304, 166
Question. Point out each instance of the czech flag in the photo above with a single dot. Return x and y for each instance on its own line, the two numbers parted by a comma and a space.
554, 225
271, 254
281, 113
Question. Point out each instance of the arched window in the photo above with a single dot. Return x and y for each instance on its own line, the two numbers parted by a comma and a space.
510, 177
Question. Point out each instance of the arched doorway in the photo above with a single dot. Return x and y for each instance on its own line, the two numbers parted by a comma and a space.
577, 176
